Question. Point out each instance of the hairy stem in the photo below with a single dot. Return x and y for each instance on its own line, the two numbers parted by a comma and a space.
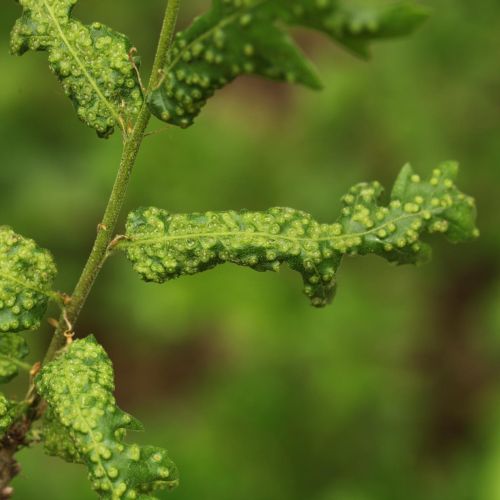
14, 438
107, 226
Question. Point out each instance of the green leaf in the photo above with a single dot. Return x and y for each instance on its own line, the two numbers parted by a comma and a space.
164, 246
26, 276
359, 22
92, 62
237, 37
78, 388
13, 349
6, 414
57, 440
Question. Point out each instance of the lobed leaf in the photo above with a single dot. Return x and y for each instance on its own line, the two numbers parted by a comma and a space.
13, 349
164, 246
27, 273
237, 37
78, 387
92, 62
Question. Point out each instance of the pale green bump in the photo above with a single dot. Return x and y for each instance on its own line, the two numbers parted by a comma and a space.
58, 441
78, 387
27, 273
6, 416
248, 37
91, 62
163, 246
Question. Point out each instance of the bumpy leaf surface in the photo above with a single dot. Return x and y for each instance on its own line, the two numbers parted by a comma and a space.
238, 37
57, 440
26, 276
163, 246
13, 348
84, 425
6, 416
92, 62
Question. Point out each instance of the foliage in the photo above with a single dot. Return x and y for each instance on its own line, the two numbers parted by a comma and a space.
26, 276
6, 417
86, 425
72, 397
239, 37
13, 349
92, 62
164, 246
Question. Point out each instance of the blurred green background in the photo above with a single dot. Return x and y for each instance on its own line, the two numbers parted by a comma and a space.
393, 392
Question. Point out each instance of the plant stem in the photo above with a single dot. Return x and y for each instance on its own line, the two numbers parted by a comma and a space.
107, 227
15, 437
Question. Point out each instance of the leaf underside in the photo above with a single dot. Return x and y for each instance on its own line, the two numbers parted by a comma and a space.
13, 348
164, 246
26, 276
84, 425
237, 37
92, 62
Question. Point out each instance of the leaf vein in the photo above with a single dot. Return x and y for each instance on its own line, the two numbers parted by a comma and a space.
88, 76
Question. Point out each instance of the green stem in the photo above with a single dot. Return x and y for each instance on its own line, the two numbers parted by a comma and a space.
107, 227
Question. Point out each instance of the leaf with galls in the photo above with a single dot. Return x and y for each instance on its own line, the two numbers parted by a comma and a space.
26, 276
13, 349
237, 37
78, 388
57, 441
6, 414
164, 246
92, 62
356, 23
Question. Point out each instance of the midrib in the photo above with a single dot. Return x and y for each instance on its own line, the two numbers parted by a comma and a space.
90, 433
4, 276
333, 239
74, 54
